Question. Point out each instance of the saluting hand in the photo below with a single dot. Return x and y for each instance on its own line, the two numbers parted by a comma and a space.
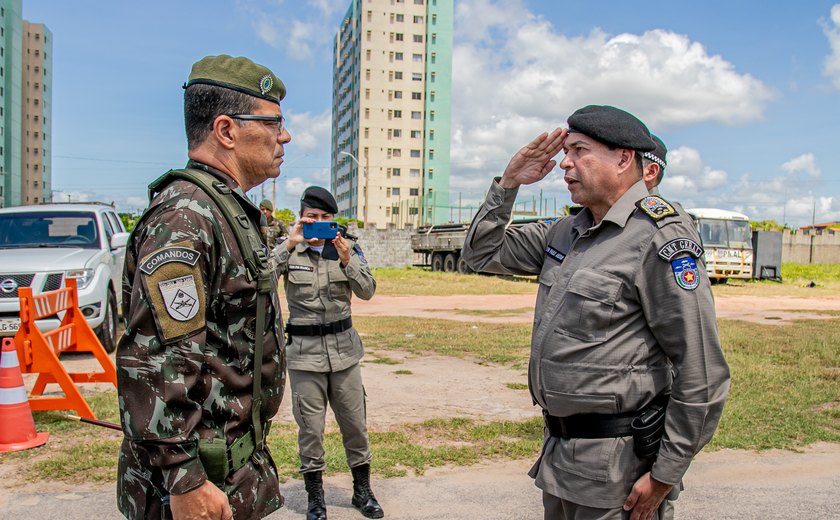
343, 249
533, 162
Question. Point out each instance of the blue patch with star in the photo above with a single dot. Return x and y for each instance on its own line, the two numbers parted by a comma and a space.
686, 273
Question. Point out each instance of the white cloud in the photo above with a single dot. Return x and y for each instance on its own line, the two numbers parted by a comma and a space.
831, 66
309, 131
805, 163
294, 187
299, 38
687, 175
515, 76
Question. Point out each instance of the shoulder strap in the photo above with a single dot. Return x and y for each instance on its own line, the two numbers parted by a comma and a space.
256, 261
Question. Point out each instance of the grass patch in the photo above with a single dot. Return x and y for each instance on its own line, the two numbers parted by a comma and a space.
490, 342
415, 448
492, 313
517, 386
785, 385
416, 281
403, 372
796, 280
382, 360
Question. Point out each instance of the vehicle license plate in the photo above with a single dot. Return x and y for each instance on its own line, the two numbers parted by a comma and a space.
8, 326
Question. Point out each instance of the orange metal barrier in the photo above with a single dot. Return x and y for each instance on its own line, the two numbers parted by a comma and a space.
38, 353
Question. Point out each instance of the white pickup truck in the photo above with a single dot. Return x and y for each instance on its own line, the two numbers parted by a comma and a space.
41, 246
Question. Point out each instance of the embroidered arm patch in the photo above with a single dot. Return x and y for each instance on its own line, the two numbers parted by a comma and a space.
174, 287
680, 245
656, 207
686, 273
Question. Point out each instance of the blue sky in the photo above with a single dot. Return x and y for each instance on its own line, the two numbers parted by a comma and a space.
745, 94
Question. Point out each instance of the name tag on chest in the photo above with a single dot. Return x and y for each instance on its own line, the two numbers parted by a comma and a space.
555, 254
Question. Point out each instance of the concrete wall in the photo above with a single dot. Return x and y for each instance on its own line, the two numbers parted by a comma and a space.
810, 248
388, 247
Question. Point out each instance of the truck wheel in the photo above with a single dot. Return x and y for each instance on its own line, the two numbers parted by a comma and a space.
463, 268
450, 263
107, 332
437, 262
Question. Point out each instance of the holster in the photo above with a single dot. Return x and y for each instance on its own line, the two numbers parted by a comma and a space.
647, 429
220, 459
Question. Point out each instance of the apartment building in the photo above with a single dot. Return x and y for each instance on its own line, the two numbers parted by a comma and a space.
391, 112
36, 181
25, 108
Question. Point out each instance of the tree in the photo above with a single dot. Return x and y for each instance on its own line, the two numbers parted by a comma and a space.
129, 220
766, 225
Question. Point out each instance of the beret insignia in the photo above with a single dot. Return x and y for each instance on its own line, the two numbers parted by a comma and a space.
680, 245
265, 84
656, 207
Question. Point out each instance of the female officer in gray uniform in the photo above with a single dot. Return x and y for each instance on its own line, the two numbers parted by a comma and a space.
324, 350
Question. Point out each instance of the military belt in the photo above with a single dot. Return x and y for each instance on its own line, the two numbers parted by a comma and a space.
595, 425
221, 459
320, 329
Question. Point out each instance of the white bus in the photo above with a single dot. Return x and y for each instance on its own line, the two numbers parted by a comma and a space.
727, 241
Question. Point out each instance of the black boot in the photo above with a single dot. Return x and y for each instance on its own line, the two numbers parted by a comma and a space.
363, 498
314, 485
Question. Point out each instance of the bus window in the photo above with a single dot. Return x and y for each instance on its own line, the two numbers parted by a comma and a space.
713, 233
740, 235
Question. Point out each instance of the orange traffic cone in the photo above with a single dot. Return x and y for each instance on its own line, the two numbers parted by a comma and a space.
17, 428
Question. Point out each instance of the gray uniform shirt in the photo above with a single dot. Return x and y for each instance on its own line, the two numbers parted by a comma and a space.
319, 291
611, 319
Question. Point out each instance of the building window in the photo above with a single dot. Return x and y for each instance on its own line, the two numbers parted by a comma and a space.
414, 192
434, 57
413, 210
398, 94
397, 75
367, 55
415, 76
417, 95
415, 154
388, 211
367, 113
434, 19
397, 114
415, 114
431, 115
415, 134
397, 132
418, 38
431, 154
367, 132
417, 58
367, 93
387, 192
367, 35
414, 172
434, 38
431, 176
367, 73
398, 56
400, 18
431, 135
395, 191
418, 19
418, 2
395, 172
396, 152
398, 37
395, 210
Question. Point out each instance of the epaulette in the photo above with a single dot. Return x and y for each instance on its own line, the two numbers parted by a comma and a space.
656, 208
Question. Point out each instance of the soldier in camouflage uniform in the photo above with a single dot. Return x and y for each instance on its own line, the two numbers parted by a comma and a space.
276, 228
201, 365
324, 350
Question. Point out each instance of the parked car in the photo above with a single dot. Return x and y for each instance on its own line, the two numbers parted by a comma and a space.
41, 246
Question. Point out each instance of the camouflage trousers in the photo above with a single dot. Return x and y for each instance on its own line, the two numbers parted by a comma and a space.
253, 491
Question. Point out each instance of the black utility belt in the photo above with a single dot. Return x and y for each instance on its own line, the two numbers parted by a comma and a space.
645, 426
321, 329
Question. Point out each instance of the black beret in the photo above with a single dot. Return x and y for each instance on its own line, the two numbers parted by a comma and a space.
612, 126
658, 154
317, 197
240, 74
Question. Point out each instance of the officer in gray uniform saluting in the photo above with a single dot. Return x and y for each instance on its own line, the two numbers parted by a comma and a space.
623, 299
323, 349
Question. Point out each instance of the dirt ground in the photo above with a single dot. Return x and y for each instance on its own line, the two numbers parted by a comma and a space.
448, 387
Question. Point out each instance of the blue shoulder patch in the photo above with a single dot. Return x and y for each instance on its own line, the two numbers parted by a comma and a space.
686, 273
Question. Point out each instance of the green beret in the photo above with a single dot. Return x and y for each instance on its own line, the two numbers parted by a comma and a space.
240, 74
658, 154
266, 204
317, 197
612, 126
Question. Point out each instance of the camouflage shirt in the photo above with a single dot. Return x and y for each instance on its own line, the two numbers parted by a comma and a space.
185, 363
276, 229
